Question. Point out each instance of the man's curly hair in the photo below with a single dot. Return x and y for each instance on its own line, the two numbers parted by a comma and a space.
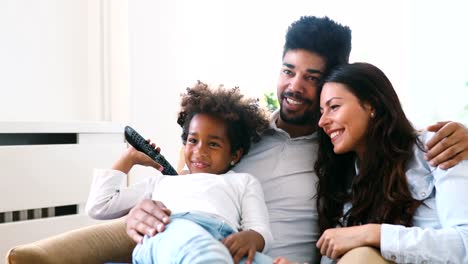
245, 119
320, 35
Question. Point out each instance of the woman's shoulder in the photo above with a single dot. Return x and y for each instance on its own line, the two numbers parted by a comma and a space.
419, 171
419, 151
424, 136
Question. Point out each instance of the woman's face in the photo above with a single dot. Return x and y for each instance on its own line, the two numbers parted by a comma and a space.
344, 119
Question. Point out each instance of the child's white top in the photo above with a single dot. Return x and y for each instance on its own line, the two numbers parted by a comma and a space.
236, 198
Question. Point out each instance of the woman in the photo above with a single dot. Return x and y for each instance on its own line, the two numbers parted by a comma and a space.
374, 181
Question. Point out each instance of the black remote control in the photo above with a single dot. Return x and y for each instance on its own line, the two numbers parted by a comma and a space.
140, 144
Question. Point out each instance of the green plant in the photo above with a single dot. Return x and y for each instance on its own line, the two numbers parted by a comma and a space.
271, 101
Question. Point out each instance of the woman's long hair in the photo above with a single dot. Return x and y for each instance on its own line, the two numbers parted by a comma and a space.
379, 193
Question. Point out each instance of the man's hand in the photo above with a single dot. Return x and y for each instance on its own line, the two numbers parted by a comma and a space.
335, 242
244, 243
449, 145
147, 217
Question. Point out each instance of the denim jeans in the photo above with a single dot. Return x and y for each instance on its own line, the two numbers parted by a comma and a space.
190, 238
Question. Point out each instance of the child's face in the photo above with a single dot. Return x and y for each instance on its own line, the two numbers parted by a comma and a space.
208, 148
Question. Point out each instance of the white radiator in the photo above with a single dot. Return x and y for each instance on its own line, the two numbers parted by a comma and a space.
46, 171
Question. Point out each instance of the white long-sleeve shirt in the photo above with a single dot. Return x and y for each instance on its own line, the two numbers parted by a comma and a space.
236, 198
440, 224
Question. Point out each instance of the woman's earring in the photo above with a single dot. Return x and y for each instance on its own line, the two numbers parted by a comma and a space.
233, 163
372, 115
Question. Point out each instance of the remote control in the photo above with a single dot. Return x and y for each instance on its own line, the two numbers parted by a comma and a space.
140, 144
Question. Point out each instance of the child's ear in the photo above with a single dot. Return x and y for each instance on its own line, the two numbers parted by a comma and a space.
237, 155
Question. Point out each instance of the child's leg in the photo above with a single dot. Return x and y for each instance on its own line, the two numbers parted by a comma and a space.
220, 230
259, 258
182, 242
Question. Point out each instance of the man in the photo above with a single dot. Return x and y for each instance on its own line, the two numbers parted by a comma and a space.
283, 160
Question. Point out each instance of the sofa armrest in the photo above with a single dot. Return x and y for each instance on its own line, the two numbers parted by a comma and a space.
106, 242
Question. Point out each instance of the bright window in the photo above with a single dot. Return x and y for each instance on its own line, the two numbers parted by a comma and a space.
421, 49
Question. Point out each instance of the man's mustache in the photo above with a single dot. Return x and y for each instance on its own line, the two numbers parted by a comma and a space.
297, 96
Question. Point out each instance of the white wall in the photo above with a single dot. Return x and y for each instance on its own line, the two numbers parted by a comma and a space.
60, 60
438, 61
240, 43
128, 61
154, 73
44, 55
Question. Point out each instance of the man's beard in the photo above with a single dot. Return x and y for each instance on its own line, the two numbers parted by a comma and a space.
309, 117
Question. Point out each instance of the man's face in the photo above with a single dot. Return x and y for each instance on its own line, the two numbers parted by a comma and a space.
297, 85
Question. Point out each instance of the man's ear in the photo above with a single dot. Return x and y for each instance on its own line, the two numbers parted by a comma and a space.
237, 155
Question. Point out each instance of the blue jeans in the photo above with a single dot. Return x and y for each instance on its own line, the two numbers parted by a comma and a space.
190, 238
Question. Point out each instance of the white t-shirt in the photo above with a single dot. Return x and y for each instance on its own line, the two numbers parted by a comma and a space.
235, 198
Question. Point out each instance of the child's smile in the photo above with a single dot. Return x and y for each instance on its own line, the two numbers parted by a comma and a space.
208, 149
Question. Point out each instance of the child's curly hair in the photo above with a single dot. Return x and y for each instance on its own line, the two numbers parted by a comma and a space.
244, 118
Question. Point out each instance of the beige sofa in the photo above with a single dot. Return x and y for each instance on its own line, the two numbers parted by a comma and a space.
105, 242
108, 242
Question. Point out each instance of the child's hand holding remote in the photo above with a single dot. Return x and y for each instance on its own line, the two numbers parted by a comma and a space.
131, 157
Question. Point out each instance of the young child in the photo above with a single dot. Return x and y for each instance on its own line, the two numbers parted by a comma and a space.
218, 216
